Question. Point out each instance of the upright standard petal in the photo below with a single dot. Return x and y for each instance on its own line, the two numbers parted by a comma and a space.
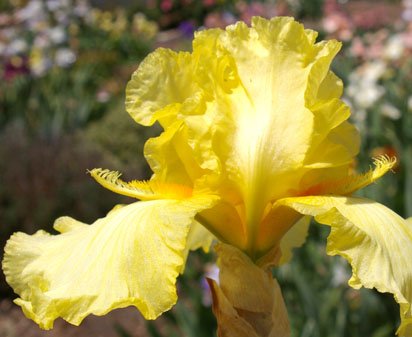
375, 240
250, 107
279, 113
131, 257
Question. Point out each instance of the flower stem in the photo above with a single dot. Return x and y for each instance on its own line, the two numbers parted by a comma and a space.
247, 301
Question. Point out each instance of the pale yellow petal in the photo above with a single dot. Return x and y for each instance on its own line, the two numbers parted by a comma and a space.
273, 122
376, 241
66, 224
161, 86
294, 238
198, 237
274, 117
130, 257
331, 87
338, 147
236, 119
250, 107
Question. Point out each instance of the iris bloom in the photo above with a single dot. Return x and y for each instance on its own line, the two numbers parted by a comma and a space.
255, 141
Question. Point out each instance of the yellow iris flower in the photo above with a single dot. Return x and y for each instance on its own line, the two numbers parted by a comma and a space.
255, 140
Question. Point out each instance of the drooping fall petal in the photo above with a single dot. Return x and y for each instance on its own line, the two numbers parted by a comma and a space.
375, 240
130, 257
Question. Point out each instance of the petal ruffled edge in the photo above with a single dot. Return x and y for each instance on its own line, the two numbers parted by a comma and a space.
376, 241
131, 257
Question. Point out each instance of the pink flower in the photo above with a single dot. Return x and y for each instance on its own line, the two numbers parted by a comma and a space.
166, 5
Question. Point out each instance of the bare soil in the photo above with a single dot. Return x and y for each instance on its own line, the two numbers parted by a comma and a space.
13, 323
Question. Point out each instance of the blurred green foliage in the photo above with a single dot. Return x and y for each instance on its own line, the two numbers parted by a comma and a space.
309, 9
319, 301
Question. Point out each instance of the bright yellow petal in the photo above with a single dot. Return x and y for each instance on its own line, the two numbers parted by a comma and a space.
144, 190
376, 241
250, 107
130, 257
353, 182
173, 74
224, 221
237, 118
335, 142
273, 121
277, 118
171, 158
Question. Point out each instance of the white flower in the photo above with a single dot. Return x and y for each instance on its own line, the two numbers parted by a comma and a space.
64, 57
341, 274
363, 86
42, 41
367, 96
81, 8
407, 3
53, 5
33, 10
394, 47
390, 111
57, 34
16, 47
374, 70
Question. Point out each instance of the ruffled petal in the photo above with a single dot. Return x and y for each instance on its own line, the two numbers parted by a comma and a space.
375, 240
250, 107
131, 257
275, 111
171, 158
236, 119
172, 73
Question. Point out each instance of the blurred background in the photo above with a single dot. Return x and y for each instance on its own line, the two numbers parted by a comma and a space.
64, 65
